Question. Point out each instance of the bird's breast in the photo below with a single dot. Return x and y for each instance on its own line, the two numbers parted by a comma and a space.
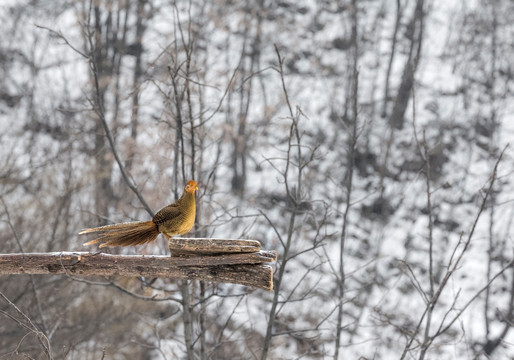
181, 224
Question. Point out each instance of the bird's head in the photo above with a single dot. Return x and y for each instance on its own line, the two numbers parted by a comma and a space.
191, 186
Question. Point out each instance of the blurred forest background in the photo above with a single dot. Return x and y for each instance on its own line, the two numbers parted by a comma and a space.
357, 138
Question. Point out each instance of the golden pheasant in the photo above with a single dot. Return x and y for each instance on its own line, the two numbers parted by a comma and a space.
175, 219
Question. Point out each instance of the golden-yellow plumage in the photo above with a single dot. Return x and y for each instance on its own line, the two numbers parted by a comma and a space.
175, 219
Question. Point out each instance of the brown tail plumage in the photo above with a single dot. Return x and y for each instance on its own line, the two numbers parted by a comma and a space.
125, 234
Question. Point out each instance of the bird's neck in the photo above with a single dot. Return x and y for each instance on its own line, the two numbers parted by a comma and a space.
187, 198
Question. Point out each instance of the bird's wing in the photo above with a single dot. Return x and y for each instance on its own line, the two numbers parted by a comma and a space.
165, 214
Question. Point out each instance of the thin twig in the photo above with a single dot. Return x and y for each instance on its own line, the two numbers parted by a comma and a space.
442, 329
62, 37
29, 325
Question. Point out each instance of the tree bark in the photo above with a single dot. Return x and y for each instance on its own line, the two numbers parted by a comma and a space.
208, 246
245, 269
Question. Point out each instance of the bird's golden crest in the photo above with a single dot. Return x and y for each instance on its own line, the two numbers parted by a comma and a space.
191, 186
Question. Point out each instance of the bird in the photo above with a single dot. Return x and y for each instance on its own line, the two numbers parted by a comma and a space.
175, 219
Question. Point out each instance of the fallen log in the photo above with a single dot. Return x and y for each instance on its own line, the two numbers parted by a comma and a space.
201, 259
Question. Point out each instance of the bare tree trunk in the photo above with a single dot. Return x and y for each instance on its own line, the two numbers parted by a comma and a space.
100, 78
391, 57
416, 30
104, 163
354, 101
251, 53
137, 51
294, 195
187, 319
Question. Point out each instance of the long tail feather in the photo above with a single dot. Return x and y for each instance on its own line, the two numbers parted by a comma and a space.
111, 227
125, 234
